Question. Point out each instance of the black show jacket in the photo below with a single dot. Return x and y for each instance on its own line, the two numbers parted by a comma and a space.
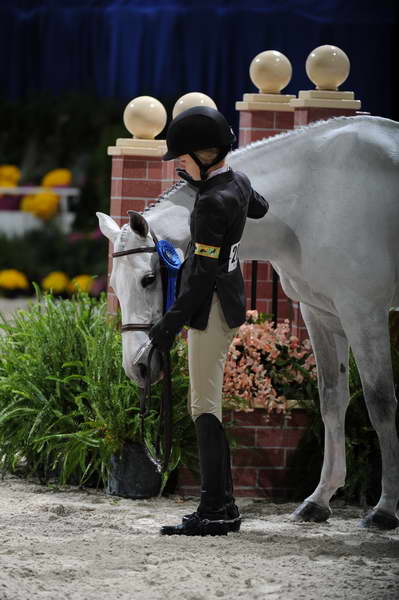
211, 262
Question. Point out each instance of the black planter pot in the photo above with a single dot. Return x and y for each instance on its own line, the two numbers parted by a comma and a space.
133, 474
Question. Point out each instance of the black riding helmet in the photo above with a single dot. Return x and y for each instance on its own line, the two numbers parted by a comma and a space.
199, 128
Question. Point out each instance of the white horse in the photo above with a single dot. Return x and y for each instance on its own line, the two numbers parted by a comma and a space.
332, 234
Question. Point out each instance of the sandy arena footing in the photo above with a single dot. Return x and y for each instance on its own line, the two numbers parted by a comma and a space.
80, 544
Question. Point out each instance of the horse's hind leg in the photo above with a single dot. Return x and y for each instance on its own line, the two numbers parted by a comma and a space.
368, 335
330, 347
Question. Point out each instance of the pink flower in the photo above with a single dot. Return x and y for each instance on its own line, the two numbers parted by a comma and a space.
252, 376
252, 315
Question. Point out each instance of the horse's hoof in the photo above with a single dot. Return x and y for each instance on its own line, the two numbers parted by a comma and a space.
379, 519
310, 511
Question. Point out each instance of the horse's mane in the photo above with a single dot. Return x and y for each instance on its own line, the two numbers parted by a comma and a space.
292, 133
171, 190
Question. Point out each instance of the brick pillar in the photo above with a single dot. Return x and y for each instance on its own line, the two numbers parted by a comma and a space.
139, 175
137, 181
263, 115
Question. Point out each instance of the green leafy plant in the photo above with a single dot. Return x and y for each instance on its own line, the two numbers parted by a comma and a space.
66, 404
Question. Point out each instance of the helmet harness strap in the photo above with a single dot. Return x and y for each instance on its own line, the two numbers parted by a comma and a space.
204, 168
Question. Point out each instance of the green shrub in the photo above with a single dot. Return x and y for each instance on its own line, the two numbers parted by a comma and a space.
65, 402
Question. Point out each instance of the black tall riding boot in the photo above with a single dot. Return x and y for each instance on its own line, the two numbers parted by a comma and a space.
231, 507
233, 517
229, 490
212, 459
211, 517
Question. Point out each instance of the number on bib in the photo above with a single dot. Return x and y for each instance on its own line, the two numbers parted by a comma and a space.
233, 260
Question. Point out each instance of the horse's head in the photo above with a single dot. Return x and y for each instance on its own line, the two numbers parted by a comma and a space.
136, 281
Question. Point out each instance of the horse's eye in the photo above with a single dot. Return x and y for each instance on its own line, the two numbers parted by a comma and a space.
148, 279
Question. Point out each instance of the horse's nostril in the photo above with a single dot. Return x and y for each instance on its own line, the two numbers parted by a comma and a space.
143, 370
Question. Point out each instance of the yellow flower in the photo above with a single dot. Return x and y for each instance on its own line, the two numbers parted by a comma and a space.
43, 205
57, 177
11, 279
55, 281
10, 173
6, 182
80, 282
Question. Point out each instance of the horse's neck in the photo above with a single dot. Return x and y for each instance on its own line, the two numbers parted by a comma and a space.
276, 169
278, 175
286, 171
170, 219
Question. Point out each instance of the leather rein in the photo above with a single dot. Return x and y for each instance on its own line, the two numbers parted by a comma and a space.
165, 415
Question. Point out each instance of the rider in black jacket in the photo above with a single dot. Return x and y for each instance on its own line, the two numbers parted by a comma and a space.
210, 275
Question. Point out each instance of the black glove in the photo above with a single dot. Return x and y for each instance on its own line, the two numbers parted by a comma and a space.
160, 337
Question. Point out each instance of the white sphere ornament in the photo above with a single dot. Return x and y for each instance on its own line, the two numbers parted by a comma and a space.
270, 71
327, 67
190, 100
145, 117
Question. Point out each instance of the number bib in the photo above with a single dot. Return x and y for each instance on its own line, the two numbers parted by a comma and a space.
233, 259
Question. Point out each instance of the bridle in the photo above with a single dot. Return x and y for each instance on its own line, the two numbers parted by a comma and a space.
138, 326
165, 413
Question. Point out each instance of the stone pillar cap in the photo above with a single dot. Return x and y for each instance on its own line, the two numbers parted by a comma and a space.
270, 71
144, 117
327, 67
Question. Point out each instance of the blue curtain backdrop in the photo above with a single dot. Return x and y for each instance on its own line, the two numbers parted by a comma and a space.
124, 48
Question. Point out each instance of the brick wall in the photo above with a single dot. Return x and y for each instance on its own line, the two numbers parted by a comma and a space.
260, 466
258, 124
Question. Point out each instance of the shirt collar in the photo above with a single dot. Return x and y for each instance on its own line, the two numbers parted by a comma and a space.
217, 171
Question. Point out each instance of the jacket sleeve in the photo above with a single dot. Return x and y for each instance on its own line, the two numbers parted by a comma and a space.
211, 223
258, 205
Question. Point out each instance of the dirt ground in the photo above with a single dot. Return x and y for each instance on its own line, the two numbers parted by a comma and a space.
80, 544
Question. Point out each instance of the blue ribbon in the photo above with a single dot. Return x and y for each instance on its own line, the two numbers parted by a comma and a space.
167, 253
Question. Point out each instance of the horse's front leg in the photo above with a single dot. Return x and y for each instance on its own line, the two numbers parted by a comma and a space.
330, 347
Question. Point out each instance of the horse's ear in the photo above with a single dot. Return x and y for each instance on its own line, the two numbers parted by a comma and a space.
138, 224
108, 226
